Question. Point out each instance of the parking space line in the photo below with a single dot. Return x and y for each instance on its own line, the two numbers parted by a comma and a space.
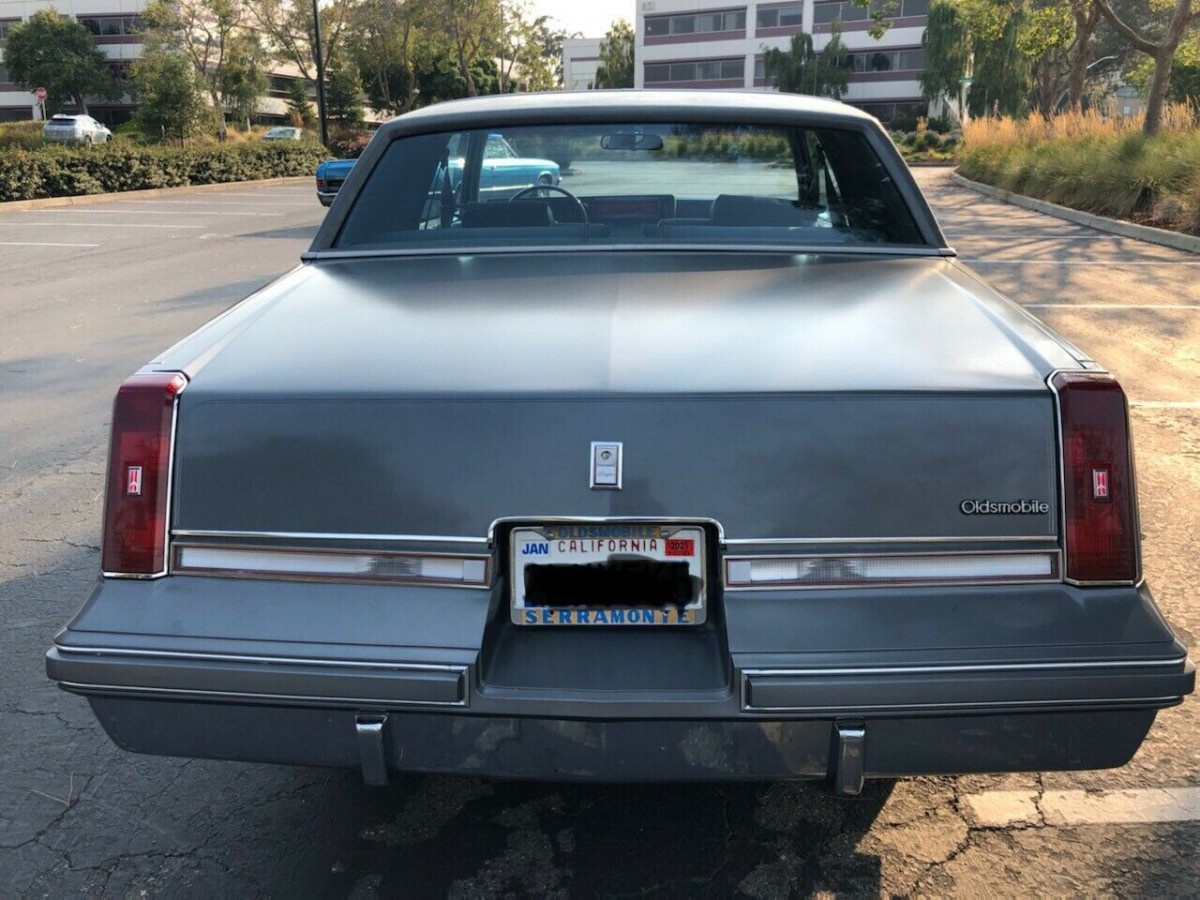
1108, 264
1001, 809
217, 203
1184, 306
109, 225
152, 212
41, 244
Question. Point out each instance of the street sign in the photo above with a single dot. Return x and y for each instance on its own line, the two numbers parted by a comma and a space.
40, 93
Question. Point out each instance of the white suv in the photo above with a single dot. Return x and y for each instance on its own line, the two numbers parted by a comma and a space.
75, 130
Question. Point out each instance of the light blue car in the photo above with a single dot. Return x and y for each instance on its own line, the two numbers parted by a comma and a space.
503, 174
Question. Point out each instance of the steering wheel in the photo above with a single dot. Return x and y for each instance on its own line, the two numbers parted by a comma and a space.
533, 189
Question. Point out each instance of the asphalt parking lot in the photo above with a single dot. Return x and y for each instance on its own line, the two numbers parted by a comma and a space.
88, 293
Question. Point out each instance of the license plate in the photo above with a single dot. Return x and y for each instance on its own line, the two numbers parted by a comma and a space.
610, 573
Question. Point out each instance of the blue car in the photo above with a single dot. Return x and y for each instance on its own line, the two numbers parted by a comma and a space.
504, 172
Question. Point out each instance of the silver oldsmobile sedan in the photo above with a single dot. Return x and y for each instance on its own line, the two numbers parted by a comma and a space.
710, 462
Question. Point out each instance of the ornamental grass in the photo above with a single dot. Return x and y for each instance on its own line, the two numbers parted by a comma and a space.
1094, 162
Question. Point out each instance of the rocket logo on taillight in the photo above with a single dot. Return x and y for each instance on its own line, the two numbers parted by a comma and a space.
1100, 489
133, 481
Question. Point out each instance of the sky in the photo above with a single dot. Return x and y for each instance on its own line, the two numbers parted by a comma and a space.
592, 17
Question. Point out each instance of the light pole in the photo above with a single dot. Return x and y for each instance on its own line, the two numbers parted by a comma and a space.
320, 74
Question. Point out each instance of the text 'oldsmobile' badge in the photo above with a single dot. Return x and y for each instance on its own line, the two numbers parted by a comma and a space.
606, 466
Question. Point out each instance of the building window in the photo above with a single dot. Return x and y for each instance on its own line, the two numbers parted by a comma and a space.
912, 60
109, 26
784, 17
891, 112
696, 70
7, 25
825, 12
704, 23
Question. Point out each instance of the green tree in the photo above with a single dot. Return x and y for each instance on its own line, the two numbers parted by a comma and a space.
1171, 25
1001, 74
205, 31
523, 57
59, 54
344, 96
947, 53
472, 28
169, 96
800, 69
287, 28
616, 57
299, 107
381, 35
244, 77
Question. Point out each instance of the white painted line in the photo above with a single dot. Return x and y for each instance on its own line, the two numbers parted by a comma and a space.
999, 809
41, 244
108, 225
1165, 404
1108, 264
1112, 306
1036, 234
150, 212
217, 203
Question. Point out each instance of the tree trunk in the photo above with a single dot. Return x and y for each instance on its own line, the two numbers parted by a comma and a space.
1163, 60
1086, 20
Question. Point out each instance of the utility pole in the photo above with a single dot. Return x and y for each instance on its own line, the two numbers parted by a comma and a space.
320, 75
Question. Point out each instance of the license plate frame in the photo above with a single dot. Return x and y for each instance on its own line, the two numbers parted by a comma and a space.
569, 544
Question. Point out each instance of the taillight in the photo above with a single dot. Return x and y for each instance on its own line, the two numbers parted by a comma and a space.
320, 184
1099, 498
139, 465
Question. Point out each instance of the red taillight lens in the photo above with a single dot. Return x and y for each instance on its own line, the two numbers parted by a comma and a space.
139, 461
1099, 498
320, 184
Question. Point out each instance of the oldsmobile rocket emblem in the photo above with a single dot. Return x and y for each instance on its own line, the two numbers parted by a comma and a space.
605, 466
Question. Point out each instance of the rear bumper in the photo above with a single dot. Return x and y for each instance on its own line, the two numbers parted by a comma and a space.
623, 750
778, 686
326, 197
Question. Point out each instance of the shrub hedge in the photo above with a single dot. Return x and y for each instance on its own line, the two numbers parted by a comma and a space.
117, 166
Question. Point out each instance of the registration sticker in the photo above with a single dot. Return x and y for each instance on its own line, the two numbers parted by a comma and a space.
610, 573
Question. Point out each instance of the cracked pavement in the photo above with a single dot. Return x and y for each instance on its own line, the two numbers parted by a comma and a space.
79, 816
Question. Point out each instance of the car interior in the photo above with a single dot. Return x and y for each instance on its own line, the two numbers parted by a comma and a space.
832, 190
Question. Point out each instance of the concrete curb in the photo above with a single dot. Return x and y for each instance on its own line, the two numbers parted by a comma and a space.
86, 199
1173, 239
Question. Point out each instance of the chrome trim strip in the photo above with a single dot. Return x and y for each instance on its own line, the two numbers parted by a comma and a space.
973, 706
327, 536
355, 702
459, 539
458, 668
896, 250
962, 539
968, 667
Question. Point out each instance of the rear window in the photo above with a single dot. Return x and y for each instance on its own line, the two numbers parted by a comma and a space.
629, 184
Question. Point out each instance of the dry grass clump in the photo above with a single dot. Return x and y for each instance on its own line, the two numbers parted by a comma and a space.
1102, 164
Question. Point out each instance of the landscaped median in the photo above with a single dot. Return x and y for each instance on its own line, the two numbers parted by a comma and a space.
1095, 164
116, 167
